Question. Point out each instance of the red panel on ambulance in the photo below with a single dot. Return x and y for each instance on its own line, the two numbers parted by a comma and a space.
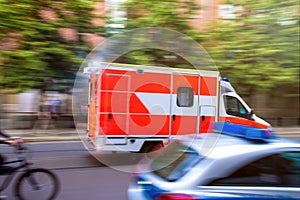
207, 125
136, 106
114, 80
113, 125
116, 102
183, 125
180, 80
208, 86
150, 82
241, 121
149, 125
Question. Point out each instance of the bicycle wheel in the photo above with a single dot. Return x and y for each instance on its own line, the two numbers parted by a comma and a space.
40, 184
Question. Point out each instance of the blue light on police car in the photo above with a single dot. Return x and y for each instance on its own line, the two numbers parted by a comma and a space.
246, 132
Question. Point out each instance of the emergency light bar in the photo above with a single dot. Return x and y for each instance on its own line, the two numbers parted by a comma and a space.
244, 131
225, 79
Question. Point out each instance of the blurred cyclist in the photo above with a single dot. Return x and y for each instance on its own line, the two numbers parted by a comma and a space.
8, 140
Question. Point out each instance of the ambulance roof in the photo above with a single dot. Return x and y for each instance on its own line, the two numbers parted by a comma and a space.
95, 66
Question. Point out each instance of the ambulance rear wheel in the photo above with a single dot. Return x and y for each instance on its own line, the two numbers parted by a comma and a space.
149, 147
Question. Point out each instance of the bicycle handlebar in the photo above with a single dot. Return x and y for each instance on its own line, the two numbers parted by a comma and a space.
18, 144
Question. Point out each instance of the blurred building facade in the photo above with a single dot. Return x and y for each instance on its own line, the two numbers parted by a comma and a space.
209, 11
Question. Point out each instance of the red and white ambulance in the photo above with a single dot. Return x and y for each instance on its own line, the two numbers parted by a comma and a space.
138, 108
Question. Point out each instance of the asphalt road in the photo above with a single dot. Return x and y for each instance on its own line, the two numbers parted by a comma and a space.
93, 184
81, 175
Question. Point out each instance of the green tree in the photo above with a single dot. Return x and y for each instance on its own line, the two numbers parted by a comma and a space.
43, 41
171, 14
259, 50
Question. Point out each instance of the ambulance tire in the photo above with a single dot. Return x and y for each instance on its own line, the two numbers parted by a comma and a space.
151, 146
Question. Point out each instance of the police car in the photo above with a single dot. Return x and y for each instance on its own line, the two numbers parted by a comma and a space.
240, 164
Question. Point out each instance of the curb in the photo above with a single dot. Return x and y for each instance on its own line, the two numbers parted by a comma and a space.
51, 139
72, 135
77, 138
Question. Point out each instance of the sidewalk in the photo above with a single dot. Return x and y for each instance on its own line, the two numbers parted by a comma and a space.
73, 135
46, 135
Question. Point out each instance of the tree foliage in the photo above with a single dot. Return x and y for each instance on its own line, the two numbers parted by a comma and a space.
170, 14
42, 41
259, 50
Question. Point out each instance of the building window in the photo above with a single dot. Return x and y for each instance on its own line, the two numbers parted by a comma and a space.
185, 97
227, 11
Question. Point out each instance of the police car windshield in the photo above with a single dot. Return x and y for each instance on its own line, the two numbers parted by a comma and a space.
175, 162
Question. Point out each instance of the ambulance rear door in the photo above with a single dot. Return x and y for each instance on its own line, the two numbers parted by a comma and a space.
208, 100
114, 106
184, 103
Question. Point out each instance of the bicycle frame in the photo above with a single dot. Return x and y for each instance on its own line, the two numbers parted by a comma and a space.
11, 171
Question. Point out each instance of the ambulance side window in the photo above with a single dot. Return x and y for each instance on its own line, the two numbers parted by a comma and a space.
234, 107
185, 97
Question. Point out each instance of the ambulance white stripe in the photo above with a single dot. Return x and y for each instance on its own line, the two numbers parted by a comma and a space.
159, 104
208, 100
